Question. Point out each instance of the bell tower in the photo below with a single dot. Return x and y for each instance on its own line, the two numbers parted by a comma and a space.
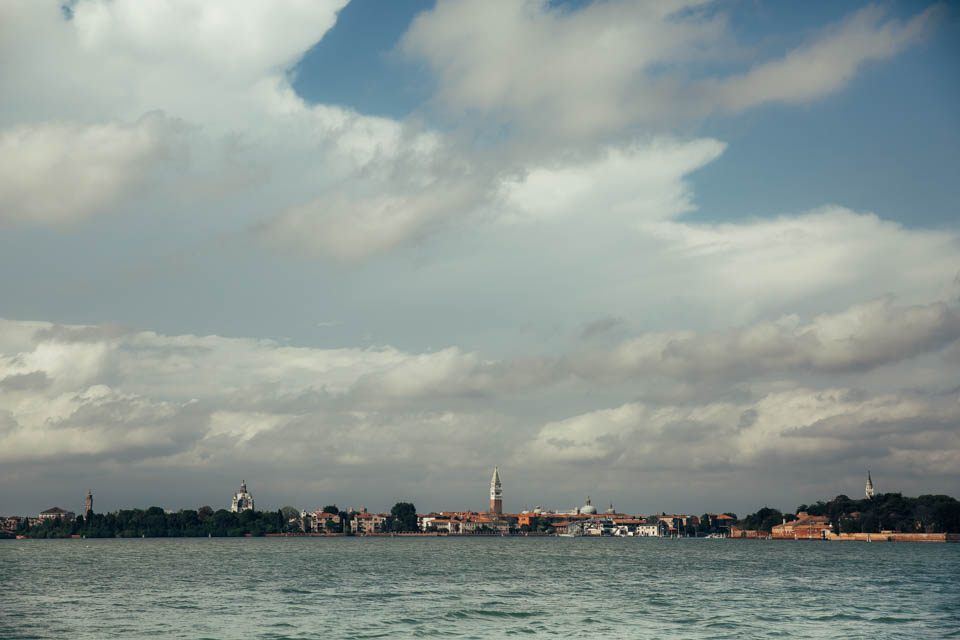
869, 491
88, 505
496, 493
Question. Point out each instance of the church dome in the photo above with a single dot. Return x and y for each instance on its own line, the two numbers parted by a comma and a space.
538, 510
611, 511
588, 509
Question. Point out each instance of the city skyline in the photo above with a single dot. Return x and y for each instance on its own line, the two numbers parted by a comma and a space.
687, 255
243, 499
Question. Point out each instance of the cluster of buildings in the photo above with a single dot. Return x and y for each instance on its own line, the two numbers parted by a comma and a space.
11, 523
585, 520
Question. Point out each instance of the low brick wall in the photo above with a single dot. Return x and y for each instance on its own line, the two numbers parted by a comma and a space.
898, 537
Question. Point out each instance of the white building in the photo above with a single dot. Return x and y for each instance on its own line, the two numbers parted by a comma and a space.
242, 500
655, 530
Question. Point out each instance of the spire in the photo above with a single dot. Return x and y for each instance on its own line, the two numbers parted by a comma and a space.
496, 492
869, 490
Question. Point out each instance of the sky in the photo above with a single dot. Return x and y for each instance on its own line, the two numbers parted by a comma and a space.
682, 255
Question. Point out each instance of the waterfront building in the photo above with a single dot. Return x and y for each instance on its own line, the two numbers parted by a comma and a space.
805, 527
57, 512
366, 524
869, 491
496, 493
320, 519
657, 529
447, 525
242, 500
88, 505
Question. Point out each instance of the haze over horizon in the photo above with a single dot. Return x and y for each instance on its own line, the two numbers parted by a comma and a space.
679, 256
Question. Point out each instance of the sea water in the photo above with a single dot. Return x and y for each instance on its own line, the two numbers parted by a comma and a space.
484, 587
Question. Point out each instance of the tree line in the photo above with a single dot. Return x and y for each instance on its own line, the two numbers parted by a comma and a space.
156, 523
883, 512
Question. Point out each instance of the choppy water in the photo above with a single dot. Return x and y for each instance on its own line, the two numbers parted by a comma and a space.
476, 588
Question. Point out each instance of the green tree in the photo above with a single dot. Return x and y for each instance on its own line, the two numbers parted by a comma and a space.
404, 516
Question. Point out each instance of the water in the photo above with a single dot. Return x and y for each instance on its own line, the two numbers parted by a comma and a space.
476, 588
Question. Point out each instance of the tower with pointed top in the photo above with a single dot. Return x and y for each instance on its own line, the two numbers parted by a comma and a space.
496, 493
88, 505
870, 491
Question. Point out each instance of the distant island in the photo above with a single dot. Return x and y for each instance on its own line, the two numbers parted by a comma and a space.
878, 516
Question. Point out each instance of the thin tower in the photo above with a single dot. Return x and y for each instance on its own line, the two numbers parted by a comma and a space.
870, 492
496, 493
88, 505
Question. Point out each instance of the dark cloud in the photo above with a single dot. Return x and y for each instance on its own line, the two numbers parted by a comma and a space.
863, 337
600, 326
33, 381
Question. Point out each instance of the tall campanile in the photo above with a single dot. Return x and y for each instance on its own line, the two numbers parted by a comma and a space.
496, 493
88, 505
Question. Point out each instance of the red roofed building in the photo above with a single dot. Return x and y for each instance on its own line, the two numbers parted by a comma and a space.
805, 527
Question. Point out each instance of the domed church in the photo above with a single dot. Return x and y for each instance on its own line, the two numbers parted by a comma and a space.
242, 500
588, 509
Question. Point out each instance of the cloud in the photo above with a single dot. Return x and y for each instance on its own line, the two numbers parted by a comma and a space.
97, 422
572, 72
228, 109
811, 427
352, 228
832, 252
63, 172
121, 58
566, 220
611, 65
863, 337
826, 64
129, 401
600, 326
34, 380
632, 182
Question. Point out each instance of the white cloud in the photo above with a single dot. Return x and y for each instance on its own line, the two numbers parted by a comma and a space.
636, 182
219, 71
746, 270
825, 65
63, 172
204, 62
609, 65
549, 67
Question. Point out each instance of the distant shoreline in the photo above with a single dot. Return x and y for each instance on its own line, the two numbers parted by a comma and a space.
923, 538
